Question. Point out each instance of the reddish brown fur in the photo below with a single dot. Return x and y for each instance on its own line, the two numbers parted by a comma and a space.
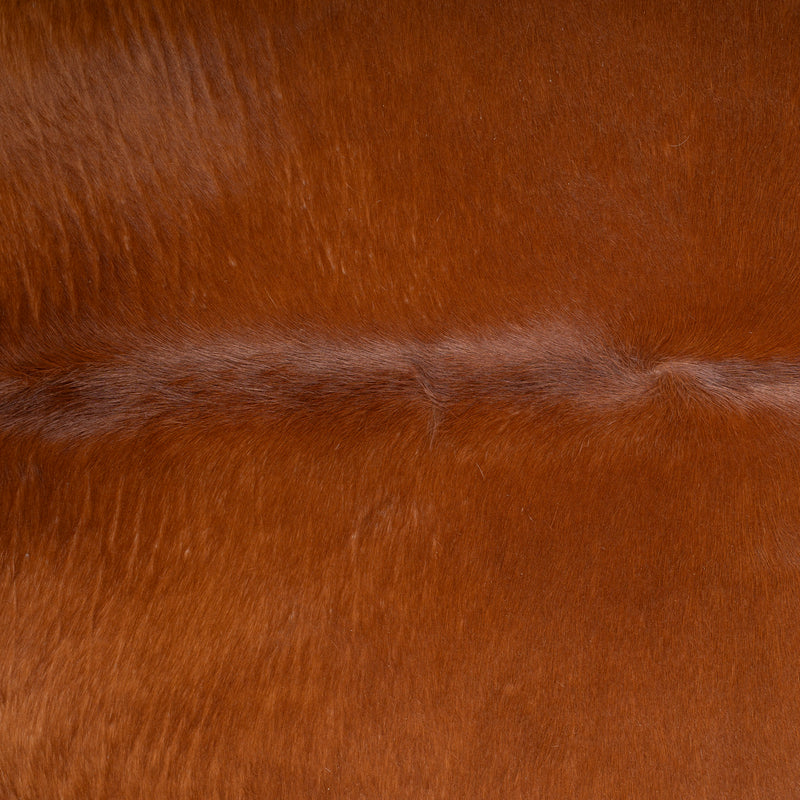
399, 400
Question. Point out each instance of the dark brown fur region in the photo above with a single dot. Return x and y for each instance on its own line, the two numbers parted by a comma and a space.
399, 400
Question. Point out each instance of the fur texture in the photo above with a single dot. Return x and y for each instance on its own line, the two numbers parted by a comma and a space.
399, 400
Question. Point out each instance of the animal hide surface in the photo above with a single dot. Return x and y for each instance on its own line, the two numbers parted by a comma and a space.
399, 400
